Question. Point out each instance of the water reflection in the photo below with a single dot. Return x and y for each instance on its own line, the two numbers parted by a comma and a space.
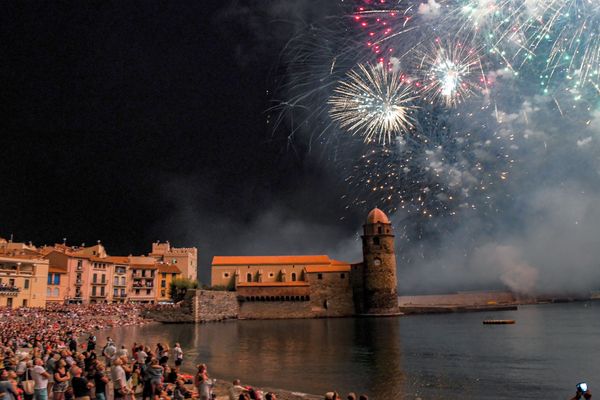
313, 356
543, 355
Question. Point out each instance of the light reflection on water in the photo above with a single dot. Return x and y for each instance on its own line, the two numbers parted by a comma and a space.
548, 350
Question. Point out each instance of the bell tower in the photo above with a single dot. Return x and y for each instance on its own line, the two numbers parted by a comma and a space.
379, 259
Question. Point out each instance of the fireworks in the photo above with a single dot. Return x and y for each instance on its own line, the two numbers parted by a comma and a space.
452, 73
568, 36
374, 102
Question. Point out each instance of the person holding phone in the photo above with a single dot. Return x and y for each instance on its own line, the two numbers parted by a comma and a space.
582, 391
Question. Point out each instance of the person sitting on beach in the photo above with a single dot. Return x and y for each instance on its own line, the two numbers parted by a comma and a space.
270, 396
236, 390
180, 392
351, 396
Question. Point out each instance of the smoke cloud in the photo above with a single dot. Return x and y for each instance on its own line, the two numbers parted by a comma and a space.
536, 231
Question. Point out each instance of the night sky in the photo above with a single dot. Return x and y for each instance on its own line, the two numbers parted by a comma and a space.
130, 122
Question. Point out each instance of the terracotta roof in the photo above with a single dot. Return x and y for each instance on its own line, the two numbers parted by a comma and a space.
168, 268
57, 270
269, 260
143, 266
377, 216
328, 268
118, 259
22, 256
272, 284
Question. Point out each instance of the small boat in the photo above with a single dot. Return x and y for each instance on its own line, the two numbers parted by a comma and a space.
498, 321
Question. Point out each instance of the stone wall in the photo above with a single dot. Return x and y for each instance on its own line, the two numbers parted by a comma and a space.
331, 295
213, 305
275, 309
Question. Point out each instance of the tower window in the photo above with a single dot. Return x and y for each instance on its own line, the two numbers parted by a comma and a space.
342, 276
249, 277
319, 276
376, 241
293, 277
380, 230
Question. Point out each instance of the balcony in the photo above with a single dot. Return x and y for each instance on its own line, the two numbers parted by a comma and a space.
9, 291
98, 295
119, 284
140, 285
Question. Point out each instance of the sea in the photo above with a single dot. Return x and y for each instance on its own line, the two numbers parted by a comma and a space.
549, 349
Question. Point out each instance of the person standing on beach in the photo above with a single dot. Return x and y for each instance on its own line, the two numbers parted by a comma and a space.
81, 386
178, 353
40, 377
100, 381
119, 380
203, 383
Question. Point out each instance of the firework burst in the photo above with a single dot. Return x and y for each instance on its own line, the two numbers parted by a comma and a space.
373, 102
451, 73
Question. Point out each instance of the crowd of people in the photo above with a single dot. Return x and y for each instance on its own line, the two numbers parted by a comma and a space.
29, 327
42, 357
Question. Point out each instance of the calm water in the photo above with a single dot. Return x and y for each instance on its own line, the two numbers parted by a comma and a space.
451, 356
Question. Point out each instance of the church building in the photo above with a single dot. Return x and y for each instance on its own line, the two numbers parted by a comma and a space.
316, 285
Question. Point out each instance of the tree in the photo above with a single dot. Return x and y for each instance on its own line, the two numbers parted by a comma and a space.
179, 288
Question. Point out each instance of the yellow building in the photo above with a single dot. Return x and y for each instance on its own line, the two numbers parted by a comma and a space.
166, 274
230, 271
23, 280
185, 258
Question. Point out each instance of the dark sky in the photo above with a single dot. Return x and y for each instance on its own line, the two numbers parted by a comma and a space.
116, 115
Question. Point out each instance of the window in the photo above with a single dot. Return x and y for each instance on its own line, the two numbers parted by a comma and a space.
163, 293
164, 275
26, 284
249, 277
148, 291
137, 291
270, 275
103, 278
79, 264
48, 292
122, 292
116, 281
9, 302
101, 290
380, 230
225, 274
376, 241
342, 276
293, 277
95, 278
123, 280
55, 292
49, 279
319, 276
116, 292
57, 279
163, 283
24, 302
94, 290
11, 282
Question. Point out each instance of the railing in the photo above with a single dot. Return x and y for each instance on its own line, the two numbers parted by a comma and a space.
9, 290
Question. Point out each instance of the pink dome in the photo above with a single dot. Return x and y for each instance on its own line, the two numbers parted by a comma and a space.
377, 216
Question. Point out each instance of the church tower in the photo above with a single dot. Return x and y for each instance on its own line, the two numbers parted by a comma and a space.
379, 263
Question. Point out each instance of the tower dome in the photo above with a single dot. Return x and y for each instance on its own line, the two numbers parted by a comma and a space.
377, 216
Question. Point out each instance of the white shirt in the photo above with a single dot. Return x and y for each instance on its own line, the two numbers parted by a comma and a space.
118, 376
178, 353
141, 357
40, 381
